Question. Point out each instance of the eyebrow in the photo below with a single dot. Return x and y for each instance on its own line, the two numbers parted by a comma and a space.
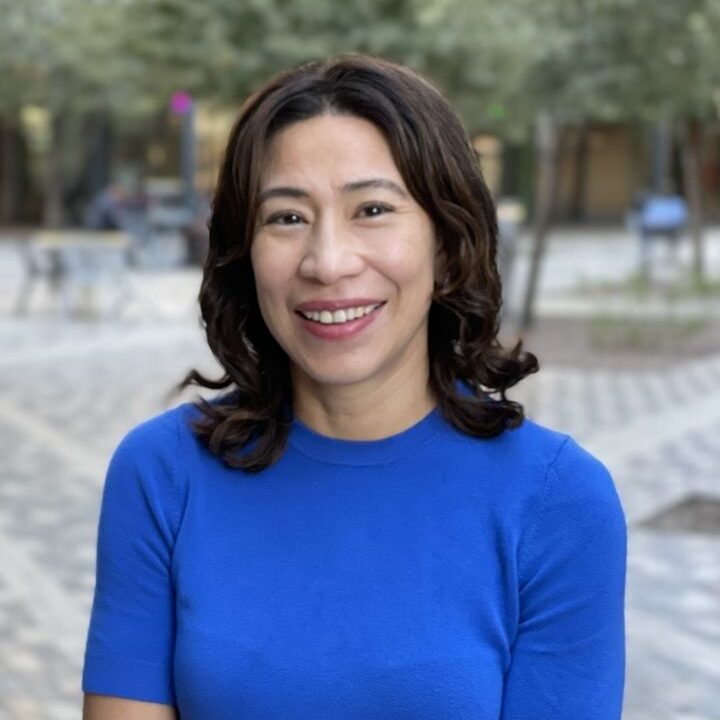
295, 192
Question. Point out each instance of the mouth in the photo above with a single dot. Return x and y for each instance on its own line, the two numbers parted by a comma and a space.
339, 317
341, 324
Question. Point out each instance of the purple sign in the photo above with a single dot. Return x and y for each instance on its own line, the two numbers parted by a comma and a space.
181, 102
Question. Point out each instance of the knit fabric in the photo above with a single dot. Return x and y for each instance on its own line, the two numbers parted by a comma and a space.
425, 575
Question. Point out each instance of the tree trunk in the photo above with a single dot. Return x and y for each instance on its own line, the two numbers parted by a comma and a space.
9, 170
580, 147
662, 147
544, 196
53, 210
693, 191
96, 168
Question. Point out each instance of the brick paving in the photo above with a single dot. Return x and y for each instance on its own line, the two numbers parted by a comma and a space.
71, 390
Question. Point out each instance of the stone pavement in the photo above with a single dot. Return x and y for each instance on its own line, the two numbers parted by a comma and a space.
70, 390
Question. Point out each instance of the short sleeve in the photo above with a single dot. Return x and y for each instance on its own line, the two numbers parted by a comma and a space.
130, 642
568, 659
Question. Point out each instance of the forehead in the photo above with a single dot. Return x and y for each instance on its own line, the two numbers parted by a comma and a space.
329, 145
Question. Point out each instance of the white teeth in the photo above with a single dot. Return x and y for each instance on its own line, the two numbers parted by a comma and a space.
326, 317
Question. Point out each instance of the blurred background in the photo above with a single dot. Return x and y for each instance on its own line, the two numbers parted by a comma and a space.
598, 127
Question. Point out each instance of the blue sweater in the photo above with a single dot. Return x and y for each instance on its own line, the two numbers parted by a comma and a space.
422, 576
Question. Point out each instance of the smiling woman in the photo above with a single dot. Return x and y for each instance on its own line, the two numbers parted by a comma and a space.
365, 167
358, 244
363, 525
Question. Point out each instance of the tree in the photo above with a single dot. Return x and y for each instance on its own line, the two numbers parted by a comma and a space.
564, 63
68, 57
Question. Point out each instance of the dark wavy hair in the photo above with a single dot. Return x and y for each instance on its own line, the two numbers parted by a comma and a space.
248, 427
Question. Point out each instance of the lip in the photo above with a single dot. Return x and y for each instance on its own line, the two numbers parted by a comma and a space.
337, 304
343, 331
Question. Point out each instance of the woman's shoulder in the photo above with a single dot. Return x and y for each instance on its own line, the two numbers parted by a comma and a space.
158, 433
535, 437
167, 430
569, 470
155, 448
528, 441
540, 459
529, 444
555, 448
147, 484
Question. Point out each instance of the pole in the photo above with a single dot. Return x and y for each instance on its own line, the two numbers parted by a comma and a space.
187, 155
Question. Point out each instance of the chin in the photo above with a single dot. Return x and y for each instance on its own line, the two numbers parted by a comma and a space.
338, 374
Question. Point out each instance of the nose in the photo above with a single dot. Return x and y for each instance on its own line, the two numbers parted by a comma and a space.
332, 252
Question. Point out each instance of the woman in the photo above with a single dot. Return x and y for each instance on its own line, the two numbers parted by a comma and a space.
357, 528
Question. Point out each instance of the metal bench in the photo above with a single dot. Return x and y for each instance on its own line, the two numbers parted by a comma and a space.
74, 264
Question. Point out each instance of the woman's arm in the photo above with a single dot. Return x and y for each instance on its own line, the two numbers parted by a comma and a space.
568, 659
104, 707
131, 636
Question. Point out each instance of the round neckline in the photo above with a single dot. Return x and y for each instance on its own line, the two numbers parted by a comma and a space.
365, 452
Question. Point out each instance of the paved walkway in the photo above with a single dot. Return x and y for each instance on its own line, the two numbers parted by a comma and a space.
72, 389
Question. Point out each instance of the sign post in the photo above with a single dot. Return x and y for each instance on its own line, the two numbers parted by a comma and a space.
181, 103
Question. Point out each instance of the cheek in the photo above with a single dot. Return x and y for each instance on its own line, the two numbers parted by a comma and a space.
269, 270
266, 290
411, 267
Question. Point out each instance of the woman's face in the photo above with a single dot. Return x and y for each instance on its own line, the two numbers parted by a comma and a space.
340, 238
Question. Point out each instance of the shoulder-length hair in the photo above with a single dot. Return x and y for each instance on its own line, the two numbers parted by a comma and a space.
441, 170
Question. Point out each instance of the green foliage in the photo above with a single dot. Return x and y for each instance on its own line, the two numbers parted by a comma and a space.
637, 286
580, 60
612, 333
502, 63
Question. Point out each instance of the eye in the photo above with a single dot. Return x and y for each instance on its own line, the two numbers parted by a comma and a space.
284, 218
375, 210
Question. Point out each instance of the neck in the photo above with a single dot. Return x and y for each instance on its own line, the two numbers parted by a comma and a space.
361, 412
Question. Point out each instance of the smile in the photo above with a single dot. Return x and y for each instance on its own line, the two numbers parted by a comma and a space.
339, 317
339, 324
